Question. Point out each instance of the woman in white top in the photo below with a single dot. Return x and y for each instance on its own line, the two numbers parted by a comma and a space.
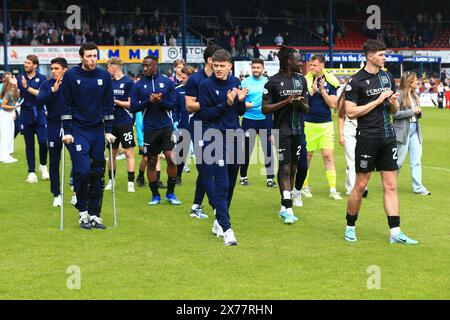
407, 130
10, 95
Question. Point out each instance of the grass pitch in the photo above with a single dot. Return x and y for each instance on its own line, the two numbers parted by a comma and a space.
162, 253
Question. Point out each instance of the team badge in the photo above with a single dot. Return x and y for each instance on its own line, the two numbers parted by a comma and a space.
297, 83
368, 82
217, 92
384, 80
266, 91
78, 147
145, 86
282, 84
37, 80
78, 81
161, 85
100, 82
122, 85
364, 164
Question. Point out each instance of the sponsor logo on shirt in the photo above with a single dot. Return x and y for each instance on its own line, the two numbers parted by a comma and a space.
118, 92
374, 92
285, 93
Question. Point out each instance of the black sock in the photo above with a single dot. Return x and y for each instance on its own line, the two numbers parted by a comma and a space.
141, 174
158, 175
393, 222
180, 169
171, 185
131, 176
287, 203
351, 219
154, 188
110, 174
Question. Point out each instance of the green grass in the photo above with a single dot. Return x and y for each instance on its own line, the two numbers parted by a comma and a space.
162, 253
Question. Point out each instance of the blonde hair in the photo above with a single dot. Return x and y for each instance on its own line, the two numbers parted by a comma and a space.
115, 61
408, 93
188, 70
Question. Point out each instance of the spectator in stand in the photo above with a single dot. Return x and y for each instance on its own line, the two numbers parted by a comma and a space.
172, 41
287, 39
256, 52
278, 40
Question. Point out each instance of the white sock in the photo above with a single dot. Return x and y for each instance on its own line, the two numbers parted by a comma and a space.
350, 227
332, 190
283, 208
195, 206
286, 195
83, 213
289, 211
395, 231
242, 178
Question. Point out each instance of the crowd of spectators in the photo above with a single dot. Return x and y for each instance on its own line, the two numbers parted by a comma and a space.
142, 22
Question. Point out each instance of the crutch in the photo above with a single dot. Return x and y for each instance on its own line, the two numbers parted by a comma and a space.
113, 182
63, 158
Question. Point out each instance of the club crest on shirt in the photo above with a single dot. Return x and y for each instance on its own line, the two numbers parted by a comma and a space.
78, 81
217, 92
297, 83
266, 91
122, 85
37, 79
161, 85
368, 81
78, 147
384, 80
145, 86
100, 82
282, 84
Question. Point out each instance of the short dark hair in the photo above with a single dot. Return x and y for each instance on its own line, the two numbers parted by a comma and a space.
284, 54
33, 58
258, 61
87, 46
151, 58
372, 46
61, 61
318, 57
222, 56
209, 51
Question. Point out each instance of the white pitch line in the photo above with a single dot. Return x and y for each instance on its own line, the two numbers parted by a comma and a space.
438, 168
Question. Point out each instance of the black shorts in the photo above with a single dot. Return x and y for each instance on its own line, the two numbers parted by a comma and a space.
124, 135
378, 154
159, 140
288, 149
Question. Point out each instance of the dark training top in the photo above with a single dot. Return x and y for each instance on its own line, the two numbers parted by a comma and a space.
365, 87
289, 120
